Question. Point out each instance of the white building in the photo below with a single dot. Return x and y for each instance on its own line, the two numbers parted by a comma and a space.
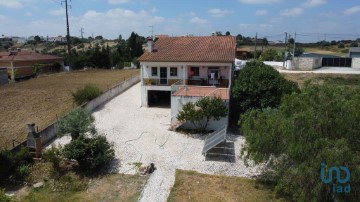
177, 70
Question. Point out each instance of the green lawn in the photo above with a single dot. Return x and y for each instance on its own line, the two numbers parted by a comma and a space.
193, 186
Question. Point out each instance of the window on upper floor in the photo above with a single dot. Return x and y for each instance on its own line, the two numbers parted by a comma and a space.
173, 71
154, 71
194, 71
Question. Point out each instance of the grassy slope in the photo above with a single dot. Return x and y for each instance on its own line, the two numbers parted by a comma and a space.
193, 186
112, 187
40, 100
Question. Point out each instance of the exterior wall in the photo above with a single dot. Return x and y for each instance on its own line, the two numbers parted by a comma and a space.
355, 63
3, 76
177, 103
149, 82
306, 63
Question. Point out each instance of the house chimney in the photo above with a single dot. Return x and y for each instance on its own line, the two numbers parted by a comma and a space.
150, 44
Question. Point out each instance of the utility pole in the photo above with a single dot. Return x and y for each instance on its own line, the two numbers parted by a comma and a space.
286, 38
294, 46
68, 31
82, 38
255, 46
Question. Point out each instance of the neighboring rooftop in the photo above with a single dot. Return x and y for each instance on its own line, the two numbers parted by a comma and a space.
192, 49
314, 55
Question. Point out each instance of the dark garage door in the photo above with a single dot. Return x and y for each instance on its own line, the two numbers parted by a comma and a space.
159, 98
336, 62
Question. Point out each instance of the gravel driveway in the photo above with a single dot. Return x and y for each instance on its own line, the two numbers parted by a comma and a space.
142, 135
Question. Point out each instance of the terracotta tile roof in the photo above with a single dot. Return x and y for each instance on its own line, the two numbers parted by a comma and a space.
201, 91
26, 56
192, 49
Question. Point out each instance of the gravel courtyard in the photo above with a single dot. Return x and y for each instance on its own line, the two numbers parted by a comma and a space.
141, 135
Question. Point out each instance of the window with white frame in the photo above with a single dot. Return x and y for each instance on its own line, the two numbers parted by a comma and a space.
173, 71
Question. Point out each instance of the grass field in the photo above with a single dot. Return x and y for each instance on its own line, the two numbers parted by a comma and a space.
112, 187
193, 186
40, 100
341, 79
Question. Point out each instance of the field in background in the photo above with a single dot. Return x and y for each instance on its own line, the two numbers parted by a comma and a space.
193, 186
40, 100
340, 79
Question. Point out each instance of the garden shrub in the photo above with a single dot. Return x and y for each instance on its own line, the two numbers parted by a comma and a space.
202, 111
260, 86
319, 125
86, 94
7, 164
92, 153
53, 155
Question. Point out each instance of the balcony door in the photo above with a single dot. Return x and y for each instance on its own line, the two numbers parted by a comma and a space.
163, 75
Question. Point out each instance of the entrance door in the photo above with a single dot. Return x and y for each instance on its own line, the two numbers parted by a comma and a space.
163, 75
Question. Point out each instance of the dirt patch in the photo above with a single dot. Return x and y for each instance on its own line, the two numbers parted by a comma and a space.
193, 186
40, 100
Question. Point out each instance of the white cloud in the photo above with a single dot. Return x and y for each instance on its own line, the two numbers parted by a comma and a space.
352, 10
197, 20
218, 13
314, 3
116, 21
292, 12
11, 3
60, 11
259, 1
28, 13
261, 12
118, 1
2, 17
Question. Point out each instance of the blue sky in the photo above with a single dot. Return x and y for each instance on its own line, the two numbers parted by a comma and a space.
313, 20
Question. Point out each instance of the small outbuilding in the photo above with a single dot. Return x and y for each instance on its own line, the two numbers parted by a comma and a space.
354, 52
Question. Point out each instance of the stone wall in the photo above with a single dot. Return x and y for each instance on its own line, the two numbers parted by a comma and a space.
306, 64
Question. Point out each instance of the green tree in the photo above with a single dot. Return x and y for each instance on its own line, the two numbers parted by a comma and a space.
77, 123
319, 125
227, 33
270, 55
134, 44
260, 86
201, 112
91, 153
341, 45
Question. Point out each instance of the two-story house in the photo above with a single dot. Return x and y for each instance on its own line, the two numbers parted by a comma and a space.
176, 70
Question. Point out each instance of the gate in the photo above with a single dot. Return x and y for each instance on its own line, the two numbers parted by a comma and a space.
336, 62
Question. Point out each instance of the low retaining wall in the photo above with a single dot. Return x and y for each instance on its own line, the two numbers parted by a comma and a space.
49, 133
306, 63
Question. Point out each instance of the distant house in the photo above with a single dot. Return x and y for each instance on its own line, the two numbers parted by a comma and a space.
22, 63
58, 39
354, 52
177, 70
